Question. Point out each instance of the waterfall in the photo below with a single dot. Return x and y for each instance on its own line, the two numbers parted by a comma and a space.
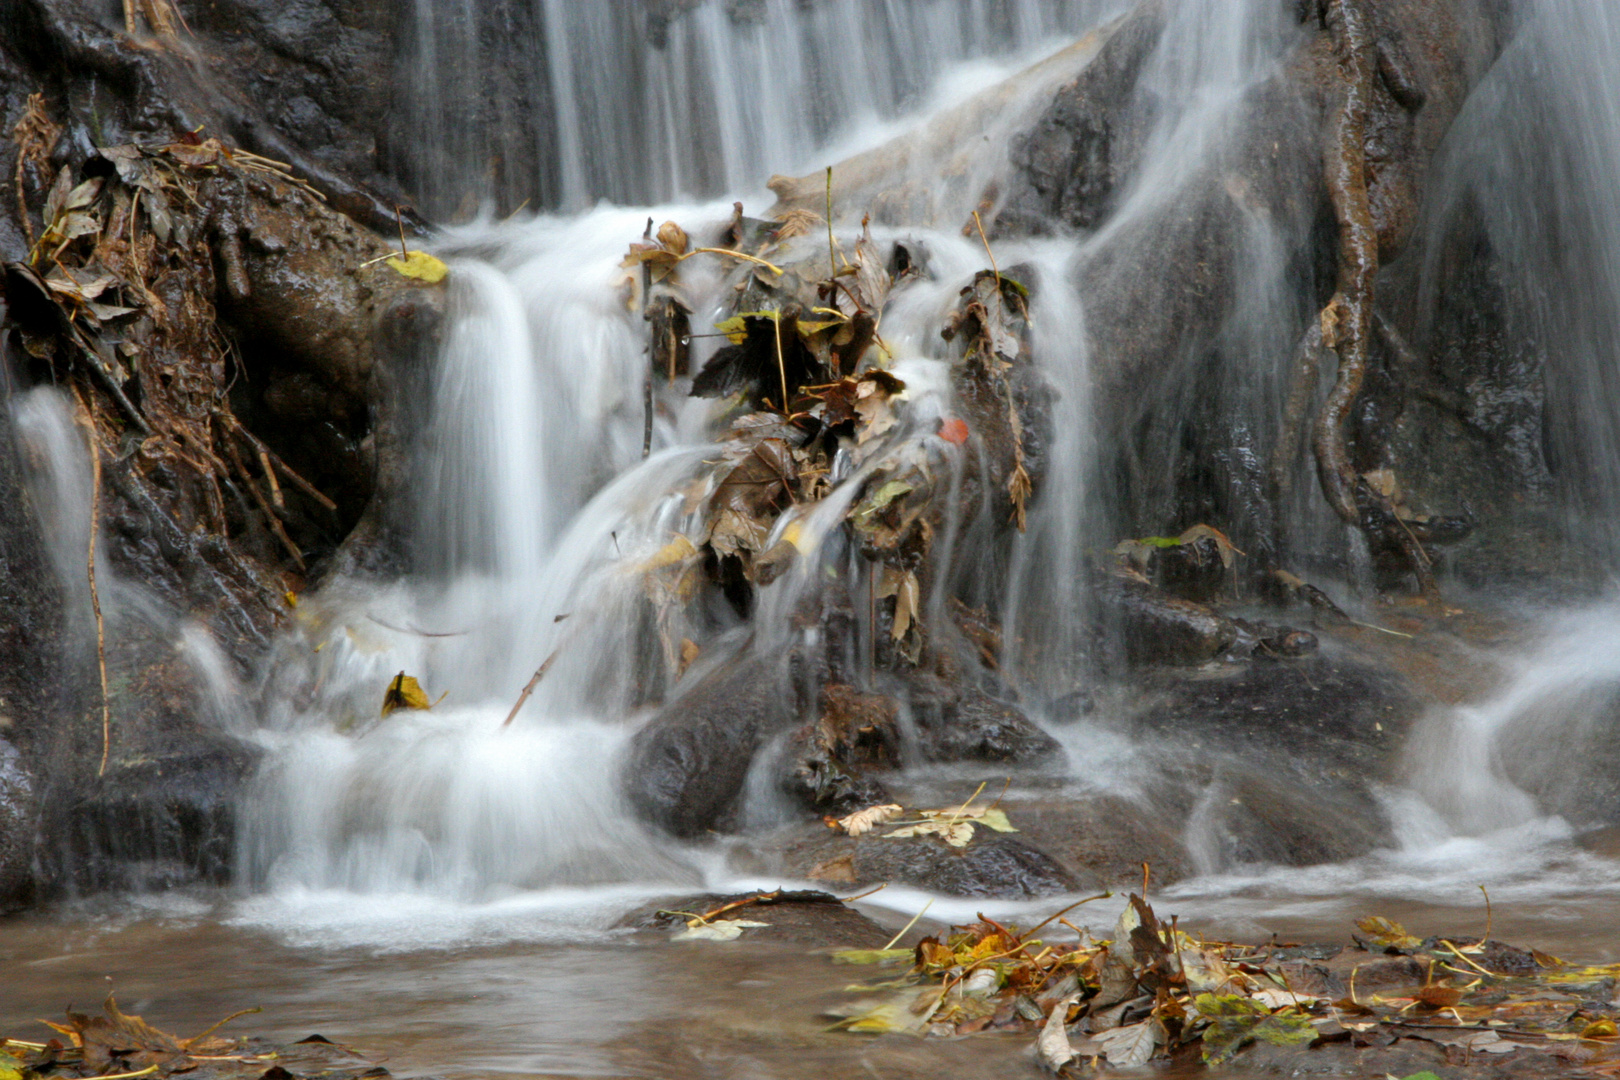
561, 104
540, 507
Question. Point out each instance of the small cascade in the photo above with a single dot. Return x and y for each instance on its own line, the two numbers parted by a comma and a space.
560, 104
544, 491
1531, 173
537, 512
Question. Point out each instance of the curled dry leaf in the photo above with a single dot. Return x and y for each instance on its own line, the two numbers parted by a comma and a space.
864, 821
714, 930
1053, 1043
956, 834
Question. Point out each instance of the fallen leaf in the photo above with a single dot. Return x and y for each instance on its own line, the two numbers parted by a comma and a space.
716, 930
677, 550
953, 430
1053, 1042
1234, 1022
404, 692
864, 821
420, 265
1387, 934
1132, 1045
1479, 1042
995, 819
1439, 997
1274, 998
870, 956
958, 834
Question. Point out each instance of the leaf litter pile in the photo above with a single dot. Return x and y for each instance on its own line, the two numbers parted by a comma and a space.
118, 1046
1154, 993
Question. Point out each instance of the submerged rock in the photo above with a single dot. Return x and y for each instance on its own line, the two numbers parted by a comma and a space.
801, 917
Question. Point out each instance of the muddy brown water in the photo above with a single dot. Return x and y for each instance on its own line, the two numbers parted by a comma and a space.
432, 995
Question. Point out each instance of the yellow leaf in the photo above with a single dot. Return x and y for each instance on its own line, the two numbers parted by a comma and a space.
677, 550
420, 265
404, 692
1386, 933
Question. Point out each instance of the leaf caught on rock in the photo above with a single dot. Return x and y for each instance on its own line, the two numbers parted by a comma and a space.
420, 265
715, 930
1387, 933
862, 822
954, 833
404, 692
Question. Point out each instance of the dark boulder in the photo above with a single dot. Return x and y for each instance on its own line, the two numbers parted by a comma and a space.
687, 767
1155, 628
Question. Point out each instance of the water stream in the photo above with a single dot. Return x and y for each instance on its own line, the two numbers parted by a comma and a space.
445, 886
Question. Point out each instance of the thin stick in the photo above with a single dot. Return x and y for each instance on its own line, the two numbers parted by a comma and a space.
985, 240
777, 270
1487, 935
962, 810
195, 1039
1059, 915
864, 895
148, 1071
270, 518
1144, 880
286, 470
529, 689
647, 415
781, 369
86, 419
757, 898
906, 928
270, 475
399, 219
832, 257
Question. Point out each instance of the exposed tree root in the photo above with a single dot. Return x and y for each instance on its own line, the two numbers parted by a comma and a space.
1346, 323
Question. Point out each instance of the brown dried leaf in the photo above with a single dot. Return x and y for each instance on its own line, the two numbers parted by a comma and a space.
862, 822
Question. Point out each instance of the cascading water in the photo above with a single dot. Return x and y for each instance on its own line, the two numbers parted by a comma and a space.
537, 512
648, 103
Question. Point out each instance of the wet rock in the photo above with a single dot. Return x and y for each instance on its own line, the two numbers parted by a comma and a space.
687, 767
825, 762
959, 721
1195, 570
993, 866
800, 917
1155, 628
159, 819
1074, 158
17, 816
1105, 838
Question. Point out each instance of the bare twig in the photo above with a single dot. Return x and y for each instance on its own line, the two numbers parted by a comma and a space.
925, 907
88, 421
528, 689
985, 240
